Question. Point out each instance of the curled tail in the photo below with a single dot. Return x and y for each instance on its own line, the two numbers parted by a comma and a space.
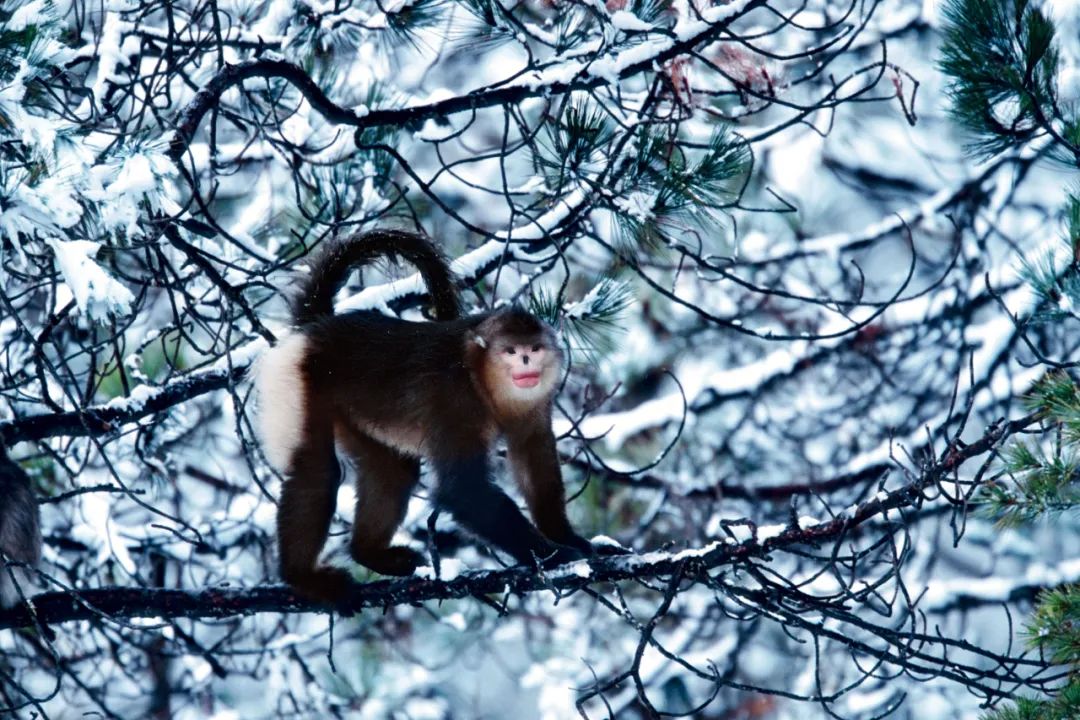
331, 266
20, 531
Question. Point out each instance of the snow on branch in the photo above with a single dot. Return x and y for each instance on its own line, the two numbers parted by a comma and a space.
835, 243
144, 400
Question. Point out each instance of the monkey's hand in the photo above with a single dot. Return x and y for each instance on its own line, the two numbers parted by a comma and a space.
586, 548
330, 586
395, 560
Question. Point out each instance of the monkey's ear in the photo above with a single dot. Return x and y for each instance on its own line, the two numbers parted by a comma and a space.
479, 340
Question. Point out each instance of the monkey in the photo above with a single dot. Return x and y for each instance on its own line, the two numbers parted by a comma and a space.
20, 531
392, 392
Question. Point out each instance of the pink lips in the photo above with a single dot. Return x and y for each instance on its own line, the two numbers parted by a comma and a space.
526, 380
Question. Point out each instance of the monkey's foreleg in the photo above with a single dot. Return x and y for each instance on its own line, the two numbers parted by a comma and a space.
535, 465
466, 490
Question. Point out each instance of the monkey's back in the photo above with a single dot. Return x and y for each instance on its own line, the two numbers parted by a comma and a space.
395, 379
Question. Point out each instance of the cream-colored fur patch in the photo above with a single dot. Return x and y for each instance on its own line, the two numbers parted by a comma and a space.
281, 399
405, 439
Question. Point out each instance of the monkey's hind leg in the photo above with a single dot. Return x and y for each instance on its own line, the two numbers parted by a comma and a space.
307, 504
384, 480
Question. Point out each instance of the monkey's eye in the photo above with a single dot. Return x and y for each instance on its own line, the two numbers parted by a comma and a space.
536, 348
510, 351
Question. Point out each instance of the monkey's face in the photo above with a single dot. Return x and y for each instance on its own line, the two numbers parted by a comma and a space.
527, 368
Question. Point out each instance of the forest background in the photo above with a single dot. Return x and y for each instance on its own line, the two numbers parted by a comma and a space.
816, 266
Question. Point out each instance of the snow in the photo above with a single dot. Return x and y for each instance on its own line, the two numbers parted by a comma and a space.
556, 74
136, 401
449, 568
941, 593
761, 413
25, 14
768, 532
628, 21
638, 205
611, 66
606, 541
33, 210
99, 530
686, 29
96, 293
614, 429
113, 52
468, 265
580, 568
136, 176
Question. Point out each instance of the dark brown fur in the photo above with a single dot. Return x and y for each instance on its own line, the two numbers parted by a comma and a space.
390, 391
20, 531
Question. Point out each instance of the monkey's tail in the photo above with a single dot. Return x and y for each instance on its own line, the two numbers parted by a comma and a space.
20, 530
331, 266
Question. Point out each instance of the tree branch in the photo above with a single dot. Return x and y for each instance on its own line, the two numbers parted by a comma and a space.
273, 65
101, 419
58, 607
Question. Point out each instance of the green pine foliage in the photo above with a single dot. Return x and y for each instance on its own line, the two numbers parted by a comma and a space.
1042, 482
491, 26
1054, 626
671, 188
1039, 483
1054, 276
27, 51
668, 187
1067, 707
315, 43
1003, 64
1001, 57
576, 144
592, 324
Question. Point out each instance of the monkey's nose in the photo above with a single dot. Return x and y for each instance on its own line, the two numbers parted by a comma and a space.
525, 359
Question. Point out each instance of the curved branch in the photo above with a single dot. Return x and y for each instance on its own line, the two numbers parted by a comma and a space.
561, 81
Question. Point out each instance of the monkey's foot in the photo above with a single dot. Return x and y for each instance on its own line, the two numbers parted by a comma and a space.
393, 560
328, 585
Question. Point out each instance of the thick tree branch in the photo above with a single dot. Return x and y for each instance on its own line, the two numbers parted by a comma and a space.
58, 607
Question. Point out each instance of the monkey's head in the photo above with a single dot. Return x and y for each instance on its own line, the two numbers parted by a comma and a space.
522, 359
